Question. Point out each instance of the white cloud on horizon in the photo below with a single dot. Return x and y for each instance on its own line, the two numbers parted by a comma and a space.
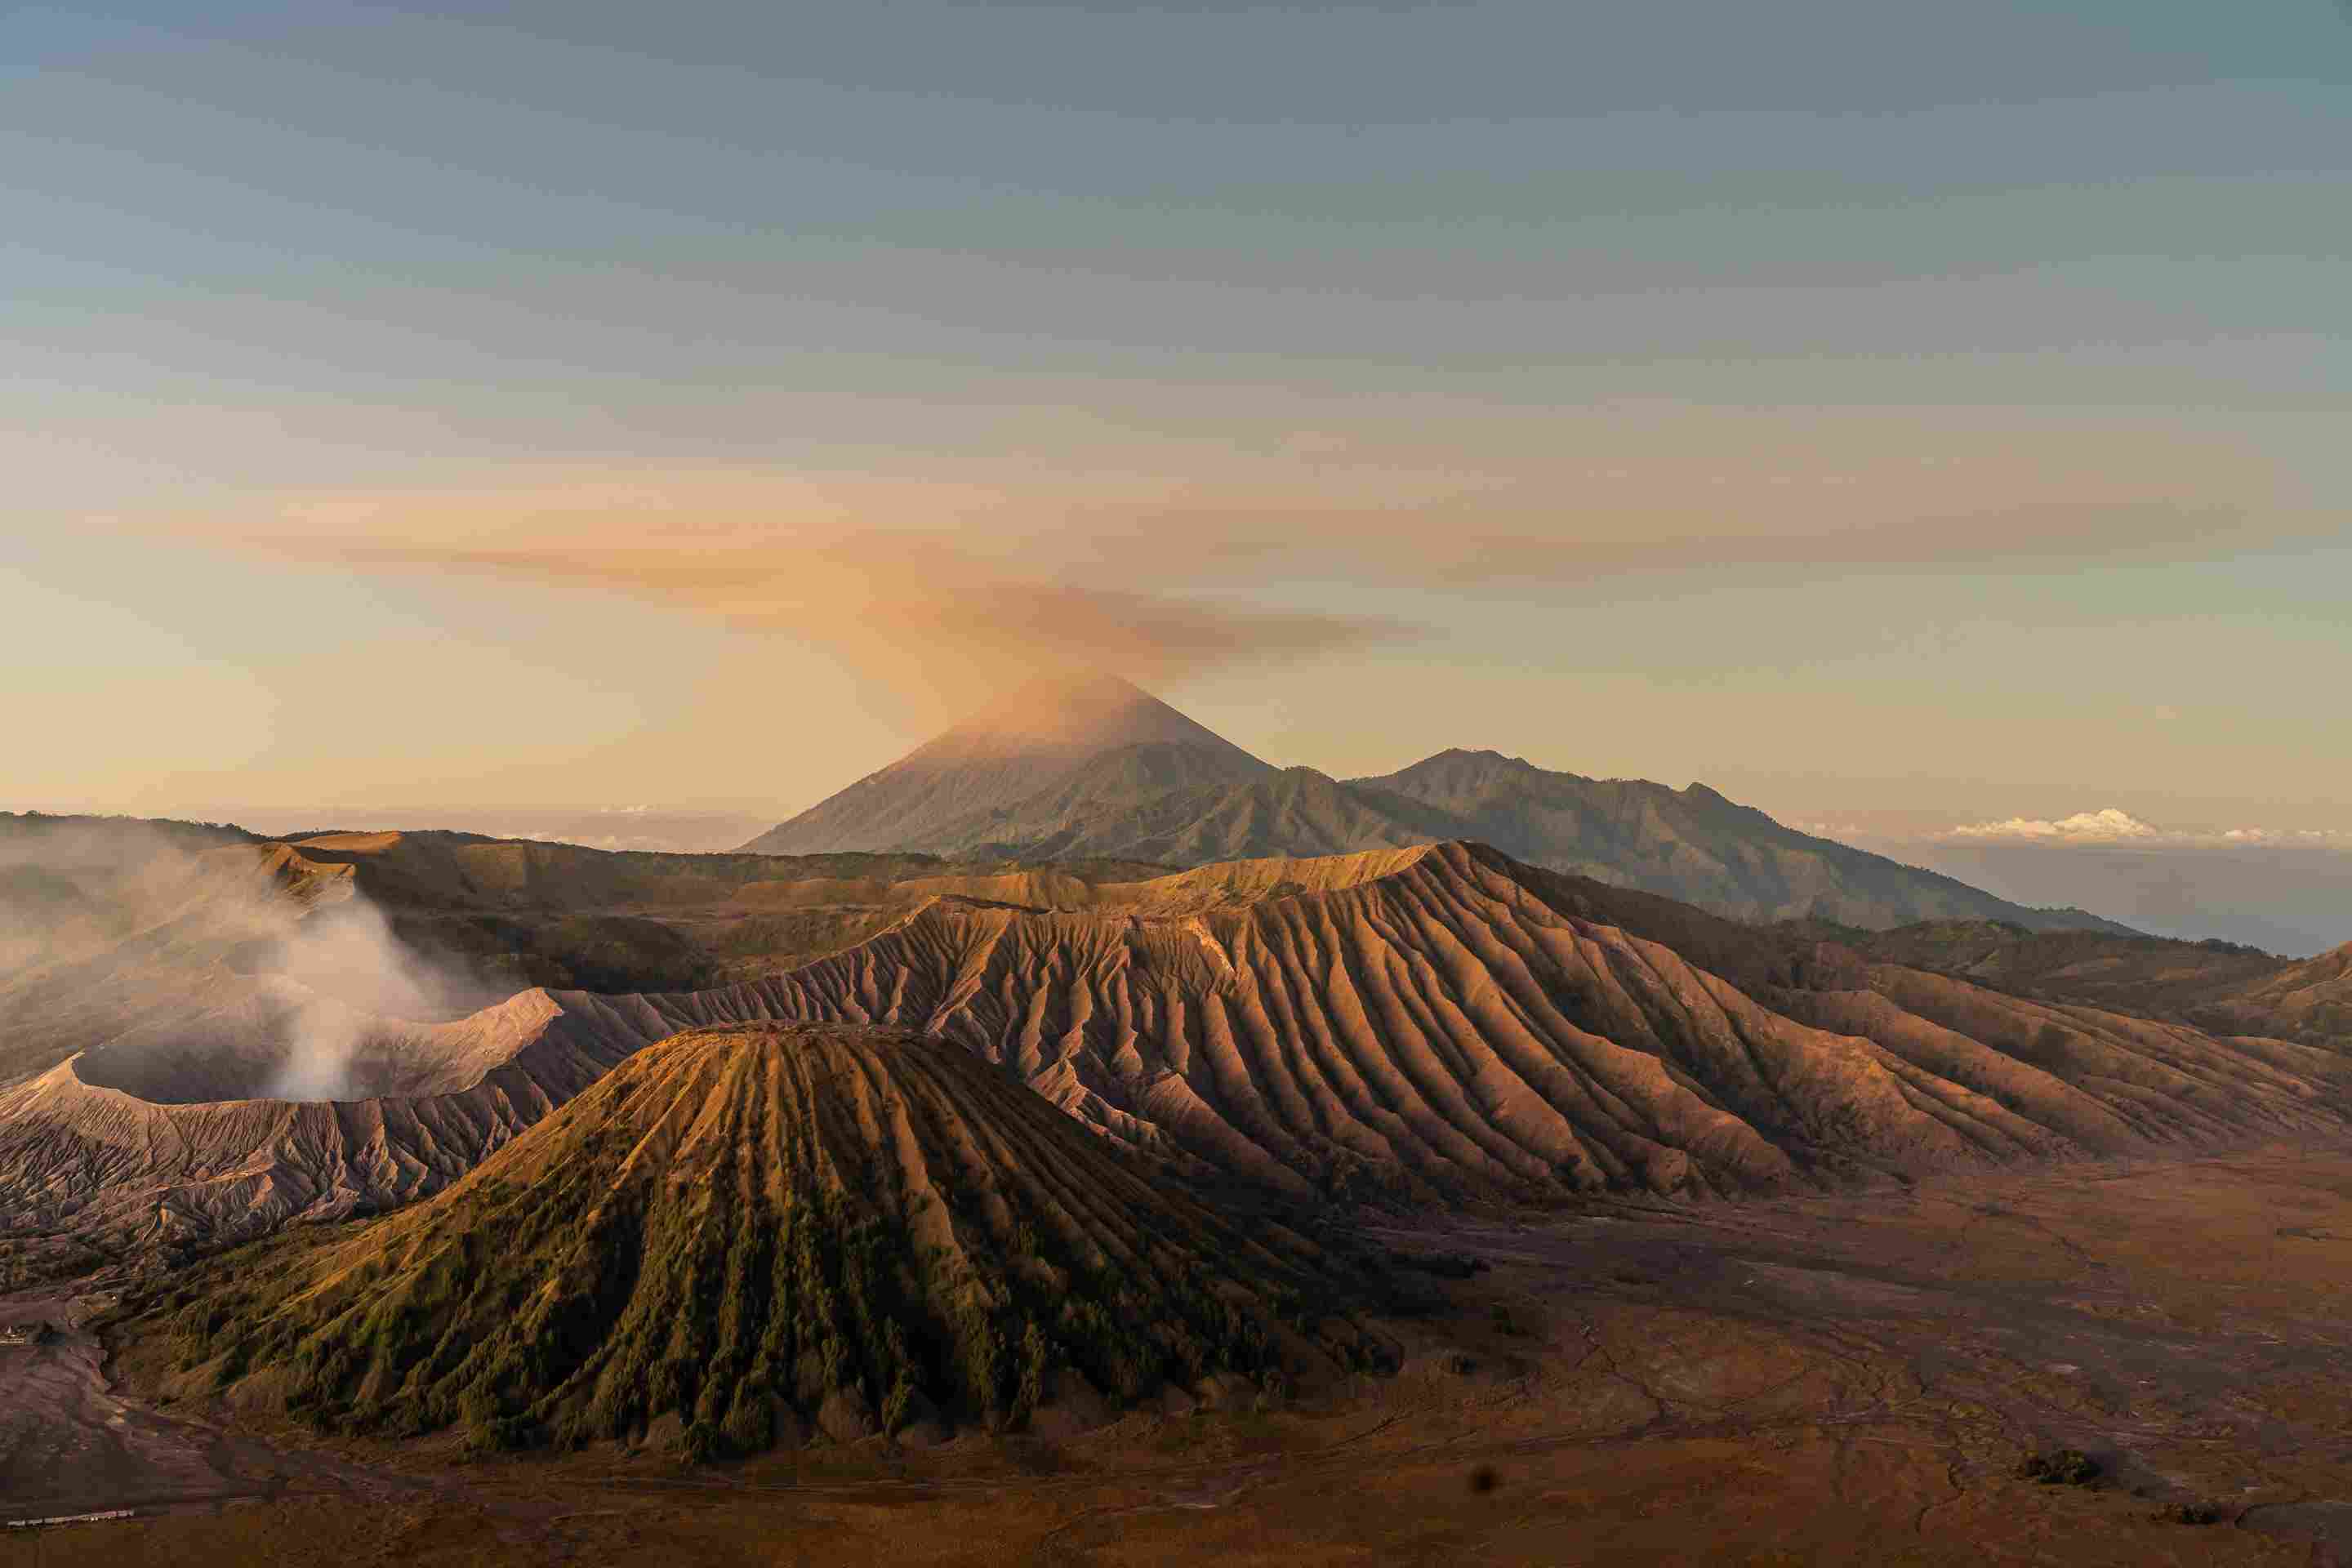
2285, 889
2306, 838
2110, 825
2113, 825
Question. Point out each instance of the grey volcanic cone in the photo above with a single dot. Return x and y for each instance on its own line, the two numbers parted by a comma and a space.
1051, 752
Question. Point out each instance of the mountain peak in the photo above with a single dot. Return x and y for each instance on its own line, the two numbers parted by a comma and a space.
1046, 751
1486, 755
1073, 715
1459, 761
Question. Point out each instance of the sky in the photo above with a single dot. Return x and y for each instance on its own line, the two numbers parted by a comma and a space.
1914, 415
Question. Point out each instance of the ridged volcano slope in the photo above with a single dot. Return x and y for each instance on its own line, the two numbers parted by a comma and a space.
1408, 1025
758, 1230
1459, 1023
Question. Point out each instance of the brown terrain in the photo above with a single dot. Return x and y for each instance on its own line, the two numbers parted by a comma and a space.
1811, 1379
1364, 1208
1407, 1025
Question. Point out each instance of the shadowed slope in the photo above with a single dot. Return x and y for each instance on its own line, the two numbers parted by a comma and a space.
1297, 814
760, 1230
1690, 844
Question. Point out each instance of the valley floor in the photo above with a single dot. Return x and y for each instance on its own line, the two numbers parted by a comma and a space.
1849, 1379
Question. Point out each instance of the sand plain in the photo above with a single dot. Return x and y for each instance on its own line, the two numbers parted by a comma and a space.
1851, 1378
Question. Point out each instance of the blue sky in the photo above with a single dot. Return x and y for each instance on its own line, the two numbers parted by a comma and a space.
1684, 390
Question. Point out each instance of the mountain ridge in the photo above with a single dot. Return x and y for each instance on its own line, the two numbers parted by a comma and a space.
1112, 773
1694, 844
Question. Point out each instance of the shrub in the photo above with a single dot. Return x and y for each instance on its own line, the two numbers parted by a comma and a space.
702, 1443
894, 1404
499, 1435
748, 1428
2060, 1468
1036, 1355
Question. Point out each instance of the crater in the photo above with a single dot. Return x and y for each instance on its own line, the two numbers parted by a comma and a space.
288, 1045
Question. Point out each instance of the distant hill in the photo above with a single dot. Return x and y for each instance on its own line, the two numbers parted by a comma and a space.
1692, 843
2312, 1000
1099, 769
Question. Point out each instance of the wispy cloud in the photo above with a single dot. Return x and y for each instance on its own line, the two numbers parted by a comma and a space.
1169, 560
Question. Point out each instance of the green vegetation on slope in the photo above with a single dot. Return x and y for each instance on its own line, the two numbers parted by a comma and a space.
759, 1231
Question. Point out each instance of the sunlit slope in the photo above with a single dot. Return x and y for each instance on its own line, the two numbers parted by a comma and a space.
1411, 1025
1457, 1022
2313, 999
760, 1231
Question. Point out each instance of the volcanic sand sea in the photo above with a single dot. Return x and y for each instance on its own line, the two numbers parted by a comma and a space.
1818, 1379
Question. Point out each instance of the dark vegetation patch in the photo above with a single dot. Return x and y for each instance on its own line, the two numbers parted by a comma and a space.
2059, 1467
45, 1259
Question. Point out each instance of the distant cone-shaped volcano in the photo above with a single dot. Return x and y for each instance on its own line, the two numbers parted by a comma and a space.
1052, 750
760, 1231
1080, 716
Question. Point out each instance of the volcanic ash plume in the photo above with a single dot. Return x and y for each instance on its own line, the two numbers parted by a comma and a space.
223, 960
351, 975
